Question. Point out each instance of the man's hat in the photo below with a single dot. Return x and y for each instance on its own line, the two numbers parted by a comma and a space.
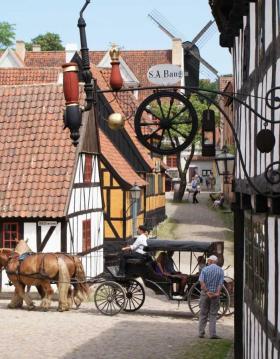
213, 258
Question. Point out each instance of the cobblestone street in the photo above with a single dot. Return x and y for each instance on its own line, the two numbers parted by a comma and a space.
159, 330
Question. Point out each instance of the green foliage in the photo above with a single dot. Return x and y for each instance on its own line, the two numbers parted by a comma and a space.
7, 34
48, 42
211, 86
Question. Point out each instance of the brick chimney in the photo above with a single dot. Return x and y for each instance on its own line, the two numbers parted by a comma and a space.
20, 49
177, 52
36, 48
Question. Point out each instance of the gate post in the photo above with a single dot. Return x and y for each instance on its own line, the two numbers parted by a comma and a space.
238, 277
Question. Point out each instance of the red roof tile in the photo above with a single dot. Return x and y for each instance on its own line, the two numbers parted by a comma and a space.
118, 163
19, 76
139, 61
37, 157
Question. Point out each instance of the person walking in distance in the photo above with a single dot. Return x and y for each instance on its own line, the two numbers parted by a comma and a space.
211, 281
194, 189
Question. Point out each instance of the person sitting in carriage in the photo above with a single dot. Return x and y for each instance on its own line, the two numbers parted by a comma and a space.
167, 267
136, 249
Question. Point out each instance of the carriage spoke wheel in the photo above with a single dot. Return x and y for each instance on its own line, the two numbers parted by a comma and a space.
194, 296
135, 295
109, 298
166, 122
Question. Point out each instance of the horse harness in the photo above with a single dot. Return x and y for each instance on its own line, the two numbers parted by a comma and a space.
41, 274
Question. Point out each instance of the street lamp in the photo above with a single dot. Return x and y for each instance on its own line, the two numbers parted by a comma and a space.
225, 164
135, 194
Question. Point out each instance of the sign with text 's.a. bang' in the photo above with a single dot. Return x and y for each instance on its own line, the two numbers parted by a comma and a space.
165, 74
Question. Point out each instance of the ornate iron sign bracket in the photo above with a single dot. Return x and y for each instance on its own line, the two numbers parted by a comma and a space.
166, 121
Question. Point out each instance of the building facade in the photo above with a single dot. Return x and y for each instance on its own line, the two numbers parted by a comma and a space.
251, 29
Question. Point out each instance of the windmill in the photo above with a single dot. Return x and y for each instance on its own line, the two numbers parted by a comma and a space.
193, 62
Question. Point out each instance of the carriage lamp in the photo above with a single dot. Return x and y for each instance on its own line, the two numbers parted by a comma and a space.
225, 163
208, 133
72, 114
116, 80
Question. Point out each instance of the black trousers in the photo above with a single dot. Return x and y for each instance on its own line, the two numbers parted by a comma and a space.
127, 256
194, 197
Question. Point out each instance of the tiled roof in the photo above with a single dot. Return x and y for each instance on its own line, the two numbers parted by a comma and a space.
118, 163
126, 104
20, 76
37, 157
44, 58
139, 61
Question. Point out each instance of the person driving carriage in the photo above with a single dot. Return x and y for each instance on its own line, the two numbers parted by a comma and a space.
166, 265
137, 249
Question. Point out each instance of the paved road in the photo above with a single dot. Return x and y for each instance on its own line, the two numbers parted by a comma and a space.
159, 330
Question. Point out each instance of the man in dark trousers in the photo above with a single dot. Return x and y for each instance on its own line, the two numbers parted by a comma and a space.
211, 281
136, 249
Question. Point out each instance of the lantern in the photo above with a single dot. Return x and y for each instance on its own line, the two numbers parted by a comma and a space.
208, 133
225, 163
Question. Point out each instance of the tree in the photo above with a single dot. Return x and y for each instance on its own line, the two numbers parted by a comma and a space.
48, 42
7, 34
199, 105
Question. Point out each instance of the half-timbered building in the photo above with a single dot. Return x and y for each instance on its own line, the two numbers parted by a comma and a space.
124, 161
251, 29
50, 191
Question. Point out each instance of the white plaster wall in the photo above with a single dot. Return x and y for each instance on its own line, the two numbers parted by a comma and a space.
252, 36
268, 23
54, 243
30, 233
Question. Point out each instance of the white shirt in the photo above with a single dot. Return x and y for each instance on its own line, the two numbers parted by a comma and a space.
139, 244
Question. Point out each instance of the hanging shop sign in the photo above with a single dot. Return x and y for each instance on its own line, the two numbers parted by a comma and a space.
47, 223
164, 74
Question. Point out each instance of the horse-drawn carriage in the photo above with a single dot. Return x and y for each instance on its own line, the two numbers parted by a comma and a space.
113, 293
116, 293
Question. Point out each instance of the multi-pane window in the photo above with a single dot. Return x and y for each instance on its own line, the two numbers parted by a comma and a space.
86, 235
171, 161
255, 250
88, 168
10, 234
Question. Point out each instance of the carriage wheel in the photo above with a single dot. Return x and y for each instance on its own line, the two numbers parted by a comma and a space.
194, 296
109, 298
135, 295
166, 122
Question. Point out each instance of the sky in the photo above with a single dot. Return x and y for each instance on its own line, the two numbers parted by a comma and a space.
124, 22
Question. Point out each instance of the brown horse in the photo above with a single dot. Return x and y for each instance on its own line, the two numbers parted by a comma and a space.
39, 270
75, 271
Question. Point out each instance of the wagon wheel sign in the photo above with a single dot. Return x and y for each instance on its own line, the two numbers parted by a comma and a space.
166, 122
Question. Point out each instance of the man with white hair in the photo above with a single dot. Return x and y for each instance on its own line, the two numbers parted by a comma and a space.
211, 281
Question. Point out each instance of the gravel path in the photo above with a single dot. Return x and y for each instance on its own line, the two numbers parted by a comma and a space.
159, 330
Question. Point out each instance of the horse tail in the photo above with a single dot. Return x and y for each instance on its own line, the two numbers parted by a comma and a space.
81, 284
63, 283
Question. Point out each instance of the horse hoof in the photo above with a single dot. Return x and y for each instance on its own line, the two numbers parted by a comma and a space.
10, 306
31, 307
